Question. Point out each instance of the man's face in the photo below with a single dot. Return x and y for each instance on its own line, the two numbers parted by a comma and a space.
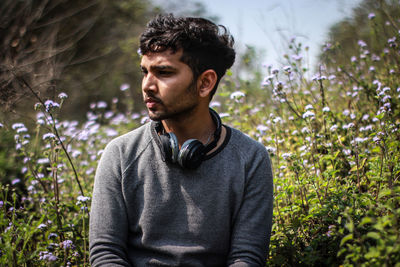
168, 87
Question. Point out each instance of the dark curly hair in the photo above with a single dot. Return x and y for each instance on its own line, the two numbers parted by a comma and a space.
205, 45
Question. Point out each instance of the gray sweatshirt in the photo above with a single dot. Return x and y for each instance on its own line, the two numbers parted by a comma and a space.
149, 212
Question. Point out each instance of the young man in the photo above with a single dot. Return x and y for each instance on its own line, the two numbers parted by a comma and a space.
184, 189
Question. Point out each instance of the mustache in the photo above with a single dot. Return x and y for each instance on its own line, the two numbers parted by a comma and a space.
151, 98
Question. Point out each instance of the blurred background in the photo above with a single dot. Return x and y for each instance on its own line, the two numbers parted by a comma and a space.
88, 49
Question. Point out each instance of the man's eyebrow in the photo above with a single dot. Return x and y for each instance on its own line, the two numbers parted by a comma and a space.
159, 67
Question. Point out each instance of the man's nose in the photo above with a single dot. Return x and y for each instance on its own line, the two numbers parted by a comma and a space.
149, 83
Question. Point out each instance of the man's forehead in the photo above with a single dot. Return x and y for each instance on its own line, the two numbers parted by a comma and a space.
164, 57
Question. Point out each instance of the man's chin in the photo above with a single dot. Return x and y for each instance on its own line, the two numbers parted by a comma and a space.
155, 116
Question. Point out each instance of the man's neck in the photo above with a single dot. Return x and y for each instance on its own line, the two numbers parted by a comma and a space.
196, 125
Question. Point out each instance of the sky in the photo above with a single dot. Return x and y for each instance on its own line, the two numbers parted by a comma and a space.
268, 24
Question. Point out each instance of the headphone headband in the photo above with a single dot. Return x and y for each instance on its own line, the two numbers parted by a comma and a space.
217, 133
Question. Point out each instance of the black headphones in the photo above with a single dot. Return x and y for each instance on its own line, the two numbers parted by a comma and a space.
192, 151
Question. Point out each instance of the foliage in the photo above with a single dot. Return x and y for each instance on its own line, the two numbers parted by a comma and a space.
44, 219
88, 48
333, 138
373, 21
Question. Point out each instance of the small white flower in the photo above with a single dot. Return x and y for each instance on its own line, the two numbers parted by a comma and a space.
305, 130
214, 104
43, 161
333, 128
286, 155
82, 199
277, 120
326, 109
111, 132
347, 152
369, 127
101, 104
237, 96
144, 120
49, 104
49, 136
17, 125
308, 114
287, 68
15, 181
348, 126
108, 114
124, 87
371, 15
22, 130
386, 98
42, 226
359, 140
346, 112
62, 95
262, 128
303, 148
308, 107
361, 43
297, 57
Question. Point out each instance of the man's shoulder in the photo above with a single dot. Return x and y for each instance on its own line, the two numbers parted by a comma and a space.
135, 139
244, 141
246, 147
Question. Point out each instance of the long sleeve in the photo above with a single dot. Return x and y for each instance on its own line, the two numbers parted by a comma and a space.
252, 226
108, 228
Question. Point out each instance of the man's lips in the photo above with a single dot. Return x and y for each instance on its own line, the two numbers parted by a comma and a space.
151, 102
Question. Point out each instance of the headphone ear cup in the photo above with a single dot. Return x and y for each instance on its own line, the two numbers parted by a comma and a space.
191, 154
170, 146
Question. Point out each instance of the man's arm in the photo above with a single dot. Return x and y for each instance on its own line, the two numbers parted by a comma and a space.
108, 220
252, 226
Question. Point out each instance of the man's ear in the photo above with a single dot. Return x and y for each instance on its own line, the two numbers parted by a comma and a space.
206, 82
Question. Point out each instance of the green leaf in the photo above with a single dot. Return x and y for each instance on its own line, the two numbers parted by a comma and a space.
385, 192
372, 253
373, 235
336, 154
350, 226
366, 220
346, 239
380, 116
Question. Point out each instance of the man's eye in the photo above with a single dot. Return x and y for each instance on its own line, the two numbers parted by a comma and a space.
165, 73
